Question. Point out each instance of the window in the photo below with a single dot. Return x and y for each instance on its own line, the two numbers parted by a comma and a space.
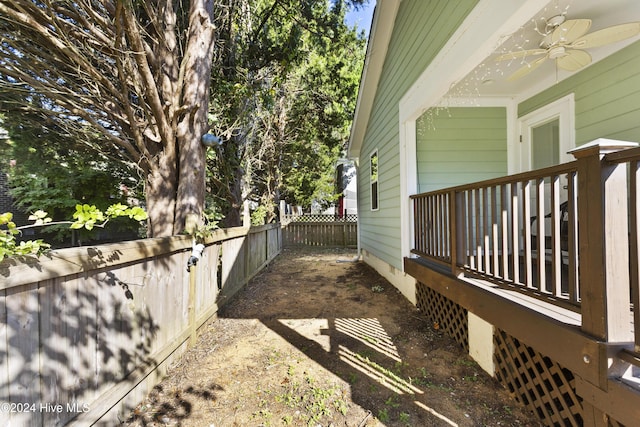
373, 163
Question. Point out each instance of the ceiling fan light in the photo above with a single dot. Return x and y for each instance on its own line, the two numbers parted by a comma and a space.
555, 21
557, 52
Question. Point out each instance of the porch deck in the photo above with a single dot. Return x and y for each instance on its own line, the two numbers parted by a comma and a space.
577, 307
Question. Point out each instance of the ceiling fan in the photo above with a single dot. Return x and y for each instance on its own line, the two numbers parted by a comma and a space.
564, 40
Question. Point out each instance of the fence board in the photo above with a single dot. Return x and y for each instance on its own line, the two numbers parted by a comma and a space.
23, 354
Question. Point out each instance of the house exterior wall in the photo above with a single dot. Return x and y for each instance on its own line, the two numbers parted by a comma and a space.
606, 98
421, 29
461, 145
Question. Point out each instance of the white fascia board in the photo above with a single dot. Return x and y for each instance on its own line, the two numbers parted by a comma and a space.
384, 18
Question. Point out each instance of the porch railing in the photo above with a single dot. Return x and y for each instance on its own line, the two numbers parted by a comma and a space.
490, 230
567, 234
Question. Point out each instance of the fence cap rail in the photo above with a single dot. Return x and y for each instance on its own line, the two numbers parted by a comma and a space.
64, 262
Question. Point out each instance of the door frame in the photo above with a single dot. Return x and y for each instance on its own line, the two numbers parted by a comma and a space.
562, 109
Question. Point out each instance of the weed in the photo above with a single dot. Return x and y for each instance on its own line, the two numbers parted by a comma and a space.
287, 420
399, 366
353, 377
287, 399
265, 415
365, 354
377, 289
507, 409
466, 362
341, 406
392, 401
383, 415
404, 418
370, 340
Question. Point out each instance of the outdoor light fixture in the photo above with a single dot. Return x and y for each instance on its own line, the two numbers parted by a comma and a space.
210, 140
196, 254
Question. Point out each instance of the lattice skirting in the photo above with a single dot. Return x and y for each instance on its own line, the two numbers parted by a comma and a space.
537, 382
448, 315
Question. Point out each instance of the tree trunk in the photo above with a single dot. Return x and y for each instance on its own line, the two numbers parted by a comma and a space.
193, 124
160, 192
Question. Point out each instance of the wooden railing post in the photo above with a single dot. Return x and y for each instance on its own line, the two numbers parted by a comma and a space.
603, 256
603, 245
456, 233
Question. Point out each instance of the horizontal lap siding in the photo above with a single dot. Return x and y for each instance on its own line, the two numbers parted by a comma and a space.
421, 29
606, 97
461, 146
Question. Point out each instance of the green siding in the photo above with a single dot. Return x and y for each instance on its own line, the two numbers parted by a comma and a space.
421, 29
607, 98
461, 145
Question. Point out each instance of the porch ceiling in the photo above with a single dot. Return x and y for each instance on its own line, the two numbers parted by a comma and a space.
489, 79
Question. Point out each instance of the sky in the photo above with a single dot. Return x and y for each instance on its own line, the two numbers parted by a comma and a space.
361, 18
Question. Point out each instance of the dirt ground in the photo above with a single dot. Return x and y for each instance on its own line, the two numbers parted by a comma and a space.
317, 339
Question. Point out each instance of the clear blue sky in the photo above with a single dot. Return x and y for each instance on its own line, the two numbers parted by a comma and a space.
361, 18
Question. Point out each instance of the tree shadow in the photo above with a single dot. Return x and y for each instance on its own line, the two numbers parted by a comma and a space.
378, 347
71, 337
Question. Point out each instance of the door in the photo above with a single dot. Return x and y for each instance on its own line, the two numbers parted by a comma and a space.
547, 135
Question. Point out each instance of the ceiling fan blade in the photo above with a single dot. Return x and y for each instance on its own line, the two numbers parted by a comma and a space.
574, 60
607, 35
570, 30
520, 54
526, 69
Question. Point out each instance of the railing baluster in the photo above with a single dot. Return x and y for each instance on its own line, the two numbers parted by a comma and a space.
526, 237
486, 249
504, 214
572, 237
471, 256
477, 214
542, 235
556, 255
515, 233
494, 231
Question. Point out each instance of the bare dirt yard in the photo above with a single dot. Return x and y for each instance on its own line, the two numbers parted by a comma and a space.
317, 339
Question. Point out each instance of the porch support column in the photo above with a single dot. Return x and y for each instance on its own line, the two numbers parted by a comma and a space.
603, 245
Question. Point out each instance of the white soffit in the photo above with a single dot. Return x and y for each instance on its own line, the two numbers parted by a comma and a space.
488, 25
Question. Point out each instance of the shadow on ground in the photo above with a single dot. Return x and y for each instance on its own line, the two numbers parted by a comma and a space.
318, 339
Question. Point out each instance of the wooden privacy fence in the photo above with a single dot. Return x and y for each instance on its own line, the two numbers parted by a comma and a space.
319, 230
87, 332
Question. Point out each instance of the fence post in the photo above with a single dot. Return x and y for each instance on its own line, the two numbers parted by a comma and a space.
193, 333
